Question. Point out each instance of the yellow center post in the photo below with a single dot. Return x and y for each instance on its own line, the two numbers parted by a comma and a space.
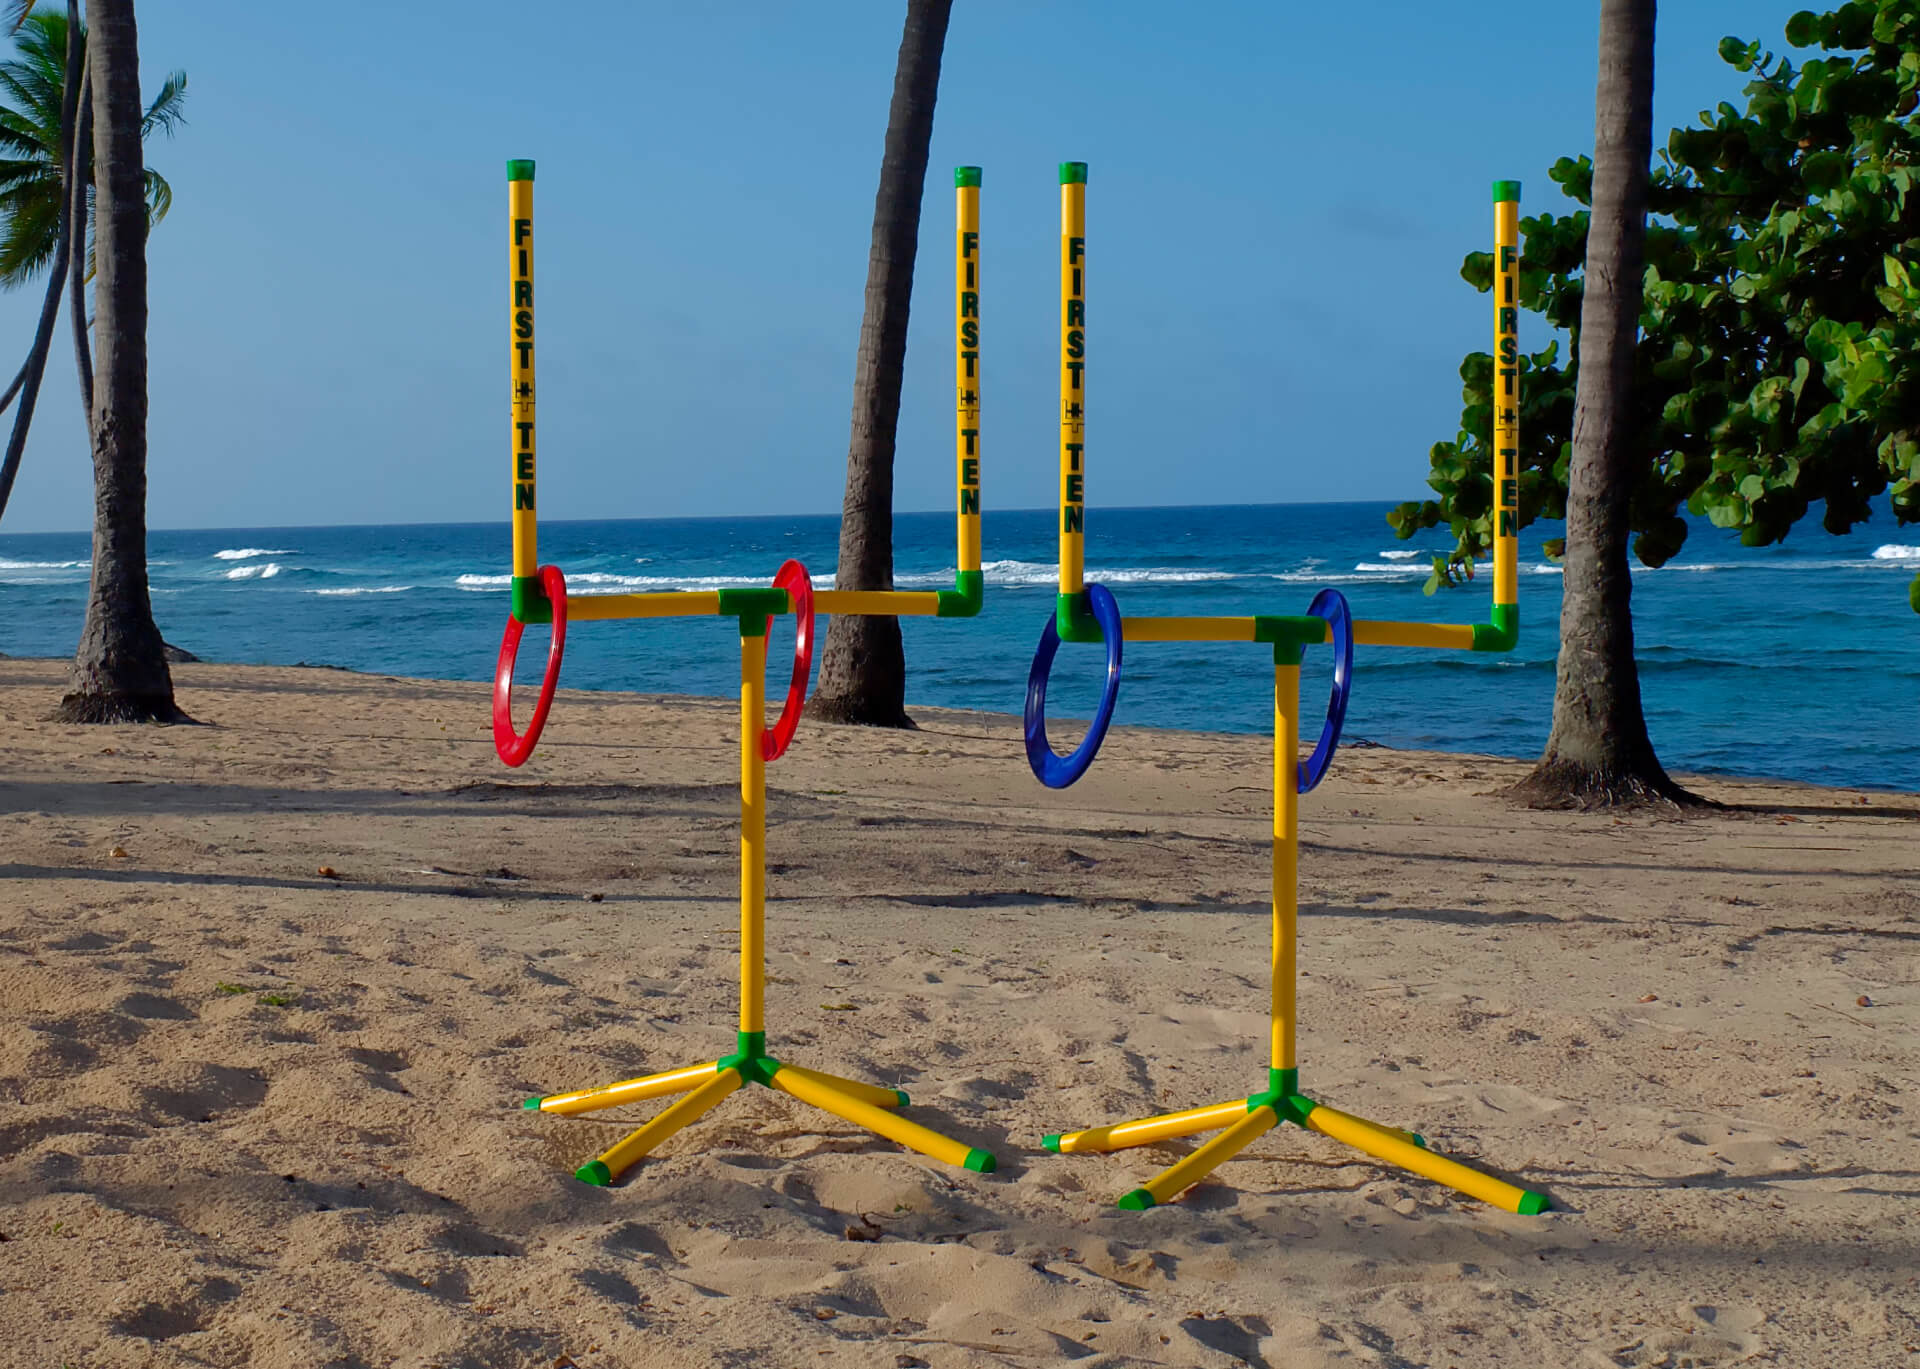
753, 834
1073, 375
1286, 861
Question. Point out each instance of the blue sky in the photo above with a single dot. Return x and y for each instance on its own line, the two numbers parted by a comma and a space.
1279, 200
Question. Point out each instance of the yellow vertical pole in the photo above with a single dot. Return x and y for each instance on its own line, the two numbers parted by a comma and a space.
753, 827
526, 556
1286, 855
1073, 374
966, 361
1506, 393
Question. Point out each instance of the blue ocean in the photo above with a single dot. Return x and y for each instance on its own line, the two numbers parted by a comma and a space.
1799, 661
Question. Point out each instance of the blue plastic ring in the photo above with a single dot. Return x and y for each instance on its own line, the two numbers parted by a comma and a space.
1057, 772
1331, 605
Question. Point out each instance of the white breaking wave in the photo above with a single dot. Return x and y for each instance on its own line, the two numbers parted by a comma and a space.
266, 572
1893, 551
248, 553
5, 564
365, 589
1398, 555
1545, 569
1372, 568
1047, 573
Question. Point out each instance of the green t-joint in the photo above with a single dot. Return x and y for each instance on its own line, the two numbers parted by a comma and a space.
519, 169
529, 600
964, 176
1073, 173
1506, 192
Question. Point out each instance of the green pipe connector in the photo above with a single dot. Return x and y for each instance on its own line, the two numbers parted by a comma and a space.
1502, 634
964, 600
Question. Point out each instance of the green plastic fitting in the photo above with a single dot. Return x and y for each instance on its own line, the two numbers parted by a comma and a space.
519, 169
1502, 634
966, 596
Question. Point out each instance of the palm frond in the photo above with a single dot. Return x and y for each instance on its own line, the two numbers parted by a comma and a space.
29, 239
159, 197
166, 113
15, 13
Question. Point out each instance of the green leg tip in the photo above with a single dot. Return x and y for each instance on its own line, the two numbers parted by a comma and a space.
980, 1162
1418, 1139
1051, 1143
533, 1104
901, 1094
1533, 1204
1137, 1201
595, 1173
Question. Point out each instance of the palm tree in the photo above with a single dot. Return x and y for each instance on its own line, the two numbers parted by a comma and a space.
32, 87
863, 670
1598, 753
120, 668
42, 90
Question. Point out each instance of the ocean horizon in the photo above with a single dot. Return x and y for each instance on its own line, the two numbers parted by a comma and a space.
1799, 661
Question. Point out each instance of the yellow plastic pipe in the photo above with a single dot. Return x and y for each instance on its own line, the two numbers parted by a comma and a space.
628, 1090
966, 367
1165, 1186
1073, 374
878, 602
1189, 629
753, 835
1286, 860
670, 604
1373, 632
810, 1089
866, 1093
521, 449
630, 1149
1149, 1129
1506, 408
1391, 1146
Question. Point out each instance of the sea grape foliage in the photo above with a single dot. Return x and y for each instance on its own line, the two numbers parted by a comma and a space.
1778, 364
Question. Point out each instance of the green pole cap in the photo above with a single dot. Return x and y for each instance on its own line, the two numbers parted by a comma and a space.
519, 169
965, 176
1073, 173
1506, 192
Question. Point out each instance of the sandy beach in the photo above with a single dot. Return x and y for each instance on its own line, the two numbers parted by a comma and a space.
254, 1114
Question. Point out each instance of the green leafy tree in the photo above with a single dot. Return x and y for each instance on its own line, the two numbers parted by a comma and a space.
45, 109
1775, 366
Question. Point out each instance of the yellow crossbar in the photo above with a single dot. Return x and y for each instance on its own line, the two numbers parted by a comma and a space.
671, 604
880, 602
1373, 632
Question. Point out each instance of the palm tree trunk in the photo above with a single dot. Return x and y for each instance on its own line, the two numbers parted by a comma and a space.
77, 242
863, 670
1598, 753
36, 366
119, 669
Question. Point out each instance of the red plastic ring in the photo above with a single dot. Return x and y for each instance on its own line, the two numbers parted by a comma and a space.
793, 578
514, 748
